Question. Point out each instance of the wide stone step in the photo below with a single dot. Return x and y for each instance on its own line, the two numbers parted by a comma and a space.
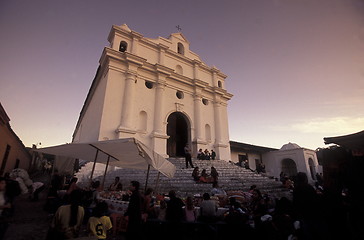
231, 178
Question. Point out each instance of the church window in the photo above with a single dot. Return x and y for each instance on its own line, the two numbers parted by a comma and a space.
219, 84
143, 117
148, 84
180, 48
205, 101
179, 94
179, 69
123, 46
208, 132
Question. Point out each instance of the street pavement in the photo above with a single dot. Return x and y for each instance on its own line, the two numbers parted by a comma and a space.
30, 221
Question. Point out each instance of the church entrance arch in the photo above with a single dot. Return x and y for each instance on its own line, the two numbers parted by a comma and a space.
289, 167
178, 132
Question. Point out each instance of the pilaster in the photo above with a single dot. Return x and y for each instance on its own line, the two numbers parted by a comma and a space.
127, 113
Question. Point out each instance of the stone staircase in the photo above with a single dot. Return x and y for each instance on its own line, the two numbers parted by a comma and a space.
231, 178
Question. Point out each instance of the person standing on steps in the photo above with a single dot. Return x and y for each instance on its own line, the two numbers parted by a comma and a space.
188, 156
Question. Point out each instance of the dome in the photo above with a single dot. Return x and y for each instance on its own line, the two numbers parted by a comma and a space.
290, 146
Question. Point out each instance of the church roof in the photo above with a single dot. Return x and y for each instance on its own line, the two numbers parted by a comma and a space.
180, 36
290, 146
249, 147
125, 27
4, 118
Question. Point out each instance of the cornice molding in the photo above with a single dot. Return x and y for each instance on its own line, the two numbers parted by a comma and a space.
125, 130
136, 34
162, 46
134, 62
132, 58
163, 69
158, 46
200, 83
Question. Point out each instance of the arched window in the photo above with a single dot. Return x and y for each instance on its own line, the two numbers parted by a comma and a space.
180, 48
123, 46
208, 133
143, 118
179, 69
219, 84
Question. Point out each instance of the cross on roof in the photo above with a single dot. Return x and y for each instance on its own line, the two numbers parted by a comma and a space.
178, 28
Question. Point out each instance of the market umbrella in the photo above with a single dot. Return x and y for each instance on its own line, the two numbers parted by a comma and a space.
124, 153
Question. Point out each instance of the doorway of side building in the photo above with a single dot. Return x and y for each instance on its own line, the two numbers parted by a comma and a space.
177, 130
242, 158
289, 167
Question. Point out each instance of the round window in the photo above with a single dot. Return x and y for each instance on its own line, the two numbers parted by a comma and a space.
149, 84
179, 94
205, 101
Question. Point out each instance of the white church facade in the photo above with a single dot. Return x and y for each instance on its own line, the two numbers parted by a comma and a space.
159, 92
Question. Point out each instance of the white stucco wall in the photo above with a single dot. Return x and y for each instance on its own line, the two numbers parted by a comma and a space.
88, 128
273, 161
112, 105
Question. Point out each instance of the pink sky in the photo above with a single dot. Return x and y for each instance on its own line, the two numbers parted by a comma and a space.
295, 67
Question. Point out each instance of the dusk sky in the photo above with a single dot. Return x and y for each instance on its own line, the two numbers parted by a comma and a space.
295, 67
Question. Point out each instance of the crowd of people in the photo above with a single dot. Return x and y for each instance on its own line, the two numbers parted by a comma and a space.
75, 208
260, 215
78, 212
206, 155
201, 155
204, 177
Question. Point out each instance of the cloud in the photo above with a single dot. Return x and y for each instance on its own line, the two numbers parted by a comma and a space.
334, 125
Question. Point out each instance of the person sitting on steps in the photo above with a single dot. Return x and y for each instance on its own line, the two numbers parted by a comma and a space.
196, 174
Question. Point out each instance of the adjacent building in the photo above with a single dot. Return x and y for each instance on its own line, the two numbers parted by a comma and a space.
251, 154
13, 153
289, 159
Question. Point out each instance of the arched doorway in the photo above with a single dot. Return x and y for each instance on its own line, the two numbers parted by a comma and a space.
289, 167
177, 130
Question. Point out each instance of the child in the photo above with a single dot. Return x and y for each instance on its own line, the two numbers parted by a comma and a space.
99, 224
162, 211
190, 212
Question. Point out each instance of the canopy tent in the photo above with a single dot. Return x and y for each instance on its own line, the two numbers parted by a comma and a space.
124, 153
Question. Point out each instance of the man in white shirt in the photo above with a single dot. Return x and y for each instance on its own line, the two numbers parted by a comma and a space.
208, 209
